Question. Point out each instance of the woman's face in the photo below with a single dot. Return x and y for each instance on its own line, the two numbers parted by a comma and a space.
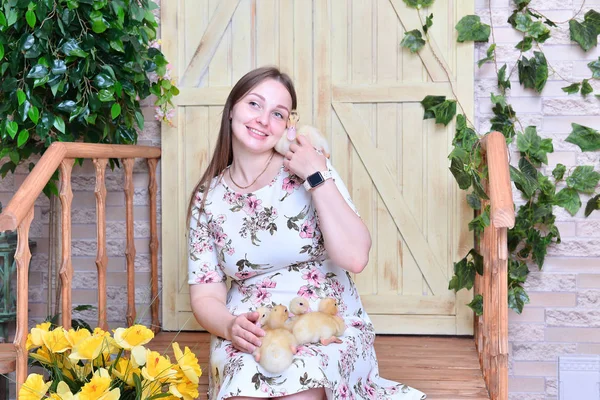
259, 118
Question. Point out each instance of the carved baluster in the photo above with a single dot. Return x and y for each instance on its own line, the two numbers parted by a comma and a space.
22, 258
130, 249
101, 256
66, 269
152, 188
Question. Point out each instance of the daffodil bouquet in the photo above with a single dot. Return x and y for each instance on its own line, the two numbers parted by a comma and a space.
84, 365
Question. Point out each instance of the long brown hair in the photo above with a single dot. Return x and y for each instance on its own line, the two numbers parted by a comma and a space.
223, 154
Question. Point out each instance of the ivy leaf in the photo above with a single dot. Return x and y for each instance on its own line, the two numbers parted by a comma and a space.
586, 88
489, 55
428, 23
559, 172
525, 44
583, 179
524, 183
521, 4
470, 28
533, 72
594, 66
592, 205
465, 271
533, 146
477, 304
572, 88
592, 18
457, 168
419, 3
478, 187
482, 221
413, 40
473, 201
503, 81
586, 138
517, 298
444, 112
429, 102
583, 34
568, 199
517, 271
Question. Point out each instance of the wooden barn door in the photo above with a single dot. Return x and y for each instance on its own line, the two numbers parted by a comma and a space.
359, 87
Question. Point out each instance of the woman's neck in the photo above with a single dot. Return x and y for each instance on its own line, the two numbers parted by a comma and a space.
247, 166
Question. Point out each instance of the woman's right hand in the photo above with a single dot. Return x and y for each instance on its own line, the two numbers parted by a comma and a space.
244, 333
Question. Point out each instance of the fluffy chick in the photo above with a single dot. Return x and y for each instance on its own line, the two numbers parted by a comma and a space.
298, 306
278, 347
310, 132
323, 326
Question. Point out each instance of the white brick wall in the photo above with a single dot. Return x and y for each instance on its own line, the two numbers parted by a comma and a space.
563, 316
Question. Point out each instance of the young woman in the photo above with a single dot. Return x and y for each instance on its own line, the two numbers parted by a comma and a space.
253, 221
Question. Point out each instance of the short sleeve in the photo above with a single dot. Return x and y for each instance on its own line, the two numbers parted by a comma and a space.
203, 263
341, 187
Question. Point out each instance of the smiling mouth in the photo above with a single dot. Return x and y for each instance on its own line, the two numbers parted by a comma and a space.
257, 132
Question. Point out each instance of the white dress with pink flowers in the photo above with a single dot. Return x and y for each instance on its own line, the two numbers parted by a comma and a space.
269, 245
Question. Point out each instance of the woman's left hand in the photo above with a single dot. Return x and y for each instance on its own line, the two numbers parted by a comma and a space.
303, 160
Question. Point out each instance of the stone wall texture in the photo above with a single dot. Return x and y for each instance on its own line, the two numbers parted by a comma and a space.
563, 316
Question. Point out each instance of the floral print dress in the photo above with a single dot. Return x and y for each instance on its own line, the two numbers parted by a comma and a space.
268, 244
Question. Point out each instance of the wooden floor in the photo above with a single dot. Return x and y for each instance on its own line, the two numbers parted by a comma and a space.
444, 368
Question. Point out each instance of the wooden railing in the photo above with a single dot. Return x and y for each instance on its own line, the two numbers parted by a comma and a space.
19, 214
491, 329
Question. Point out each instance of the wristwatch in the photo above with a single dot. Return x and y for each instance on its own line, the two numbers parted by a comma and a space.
316, 179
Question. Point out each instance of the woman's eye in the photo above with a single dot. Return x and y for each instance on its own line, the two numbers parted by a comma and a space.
253, 103
278, 115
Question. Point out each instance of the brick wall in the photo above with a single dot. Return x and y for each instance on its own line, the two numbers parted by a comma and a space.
563, 316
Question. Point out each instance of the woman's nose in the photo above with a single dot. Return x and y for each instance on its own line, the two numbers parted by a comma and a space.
263, 118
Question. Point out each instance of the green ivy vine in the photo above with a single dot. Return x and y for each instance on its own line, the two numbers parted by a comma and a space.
535, 229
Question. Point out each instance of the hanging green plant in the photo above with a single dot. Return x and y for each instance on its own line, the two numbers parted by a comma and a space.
76, 70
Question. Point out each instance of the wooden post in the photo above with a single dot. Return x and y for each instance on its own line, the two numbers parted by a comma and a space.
66, 269
101, 256
130, 249
22, 258
152, 190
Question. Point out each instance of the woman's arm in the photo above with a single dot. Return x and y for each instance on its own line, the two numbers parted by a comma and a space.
208, 305
347, 239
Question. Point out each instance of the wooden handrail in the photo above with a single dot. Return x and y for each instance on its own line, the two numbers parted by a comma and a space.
18, 214
502, 206
32, 187
491, 329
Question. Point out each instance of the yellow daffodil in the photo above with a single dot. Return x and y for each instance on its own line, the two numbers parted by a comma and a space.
56, 340
35, 337
150, 389
90, 348
184, 389
157, 367
98, 388
76, 336
124, 370
62, 392
136, 335
138, 356
34, 388
42, 355
188, 363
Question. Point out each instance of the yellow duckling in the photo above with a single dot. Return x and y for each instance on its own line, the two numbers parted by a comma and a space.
278, 347
322, 326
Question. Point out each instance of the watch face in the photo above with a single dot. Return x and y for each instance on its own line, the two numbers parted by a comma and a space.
315, 179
